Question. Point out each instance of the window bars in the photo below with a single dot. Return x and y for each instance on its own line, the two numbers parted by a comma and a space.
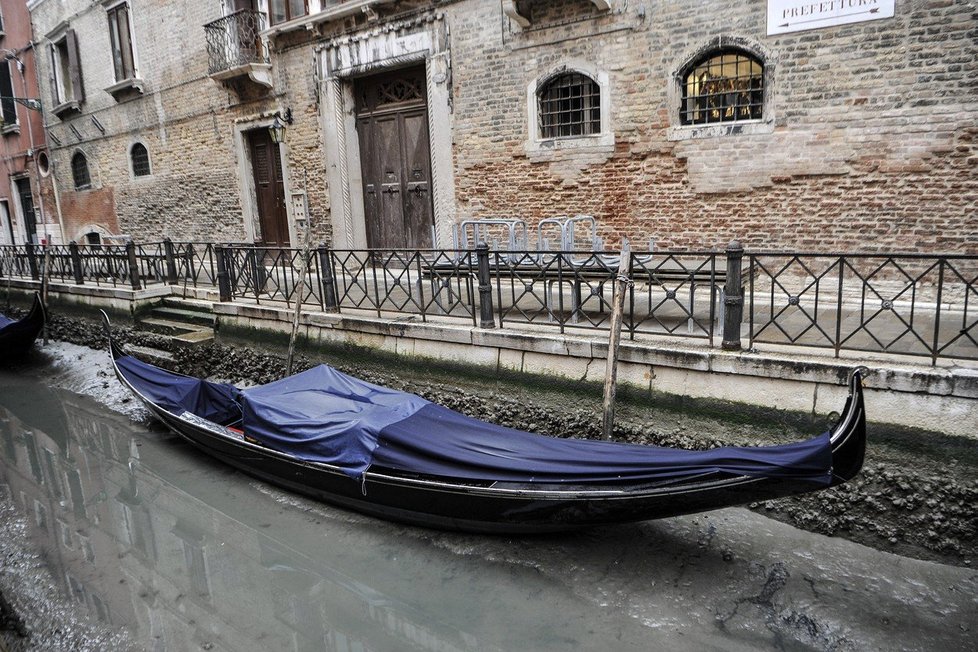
724, 87
569, 106
140, 160
79, 172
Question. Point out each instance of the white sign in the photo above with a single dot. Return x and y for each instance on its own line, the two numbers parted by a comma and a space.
299, 207
785, 16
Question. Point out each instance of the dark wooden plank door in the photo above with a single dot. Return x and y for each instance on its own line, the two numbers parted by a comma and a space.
27, 208
392, 126
266, 162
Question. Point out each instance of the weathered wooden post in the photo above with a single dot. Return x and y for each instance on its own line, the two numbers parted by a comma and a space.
326, 277
486, 317
171, 262
733, 302
32, 261
133, 263
305, 263
76, 263
45, 280
223, 279
622, 281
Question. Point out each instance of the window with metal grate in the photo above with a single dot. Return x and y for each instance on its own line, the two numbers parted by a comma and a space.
569, 106
79, 172
725, 86
139, 156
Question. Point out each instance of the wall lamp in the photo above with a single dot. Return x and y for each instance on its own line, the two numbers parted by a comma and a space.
277, 129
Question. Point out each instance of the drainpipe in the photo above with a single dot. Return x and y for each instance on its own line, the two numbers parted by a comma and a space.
47, 146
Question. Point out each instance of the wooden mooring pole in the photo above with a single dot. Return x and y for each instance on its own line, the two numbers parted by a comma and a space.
45, 281
622, 280
306, 262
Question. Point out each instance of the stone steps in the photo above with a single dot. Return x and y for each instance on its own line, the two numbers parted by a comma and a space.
149, 353
188, 322
184, 315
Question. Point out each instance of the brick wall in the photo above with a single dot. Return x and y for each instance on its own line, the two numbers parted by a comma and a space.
867, 141
871, 146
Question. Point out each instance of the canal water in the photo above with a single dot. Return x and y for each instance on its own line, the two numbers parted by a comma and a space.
140, 533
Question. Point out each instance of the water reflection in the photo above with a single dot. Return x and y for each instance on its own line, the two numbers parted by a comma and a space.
141, 532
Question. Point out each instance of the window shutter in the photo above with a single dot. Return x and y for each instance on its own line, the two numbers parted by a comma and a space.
53, 75
74, 66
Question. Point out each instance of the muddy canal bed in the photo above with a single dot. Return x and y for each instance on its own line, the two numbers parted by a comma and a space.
171, 551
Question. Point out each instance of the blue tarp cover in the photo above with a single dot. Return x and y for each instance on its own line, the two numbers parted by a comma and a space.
176, 393
4, 321
326, 416
439, 441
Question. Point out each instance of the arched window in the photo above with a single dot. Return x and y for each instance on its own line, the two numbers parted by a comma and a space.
139, 156
724, 86
79, 172
569, 105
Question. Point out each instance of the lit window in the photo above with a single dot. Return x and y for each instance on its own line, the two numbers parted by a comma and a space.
569, 106
723, 87
79, 172
120, 35
139, 156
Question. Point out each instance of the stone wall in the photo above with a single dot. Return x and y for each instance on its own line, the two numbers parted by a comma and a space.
182, 117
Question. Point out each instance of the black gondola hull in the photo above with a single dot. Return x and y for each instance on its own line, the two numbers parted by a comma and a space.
17, 338
511, 508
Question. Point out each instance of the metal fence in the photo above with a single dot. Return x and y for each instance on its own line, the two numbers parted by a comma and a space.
904, 304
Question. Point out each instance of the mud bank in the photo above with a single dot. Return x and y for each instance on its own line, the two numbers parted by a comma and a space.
33, 616
917, 495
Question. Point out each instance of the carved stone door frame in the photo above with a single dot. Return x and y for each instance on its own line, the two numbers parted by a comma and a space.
415, 41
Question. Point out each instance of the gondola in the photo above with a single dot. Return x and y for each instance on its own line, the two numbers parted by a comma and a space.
397, 456
17, 337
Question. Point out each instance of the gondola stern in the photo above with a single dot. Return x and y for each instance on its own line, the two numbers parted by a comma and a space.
849, 434
115, 349
38, 313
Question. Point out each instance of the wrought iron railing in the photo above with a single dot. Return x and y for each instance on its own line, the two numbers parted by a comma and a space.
905, 304
235, 40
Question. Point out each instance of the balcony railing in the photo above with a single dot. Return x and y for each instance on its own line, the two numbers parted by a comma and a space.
235, 41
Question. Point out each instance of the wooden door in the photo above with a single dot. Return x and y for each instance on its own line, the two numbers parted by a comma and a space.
27, 209
392, 126
266, 162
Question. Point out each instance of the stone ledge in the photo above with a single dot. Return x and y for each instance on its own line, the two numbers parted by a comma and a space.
775, 379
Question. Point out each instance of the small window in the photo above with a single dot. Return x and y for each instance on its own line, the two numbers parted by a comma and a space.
8, 110
120, 34
723, 87
66, 68
280, 11
79, 172
43, 163
569, 106
139, 156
